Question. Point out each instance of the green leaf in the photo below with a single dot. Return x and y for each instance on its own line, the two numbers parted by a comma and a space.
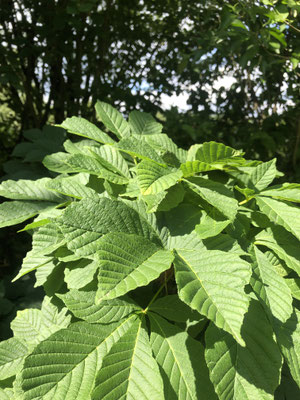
84, 223
82, 127
287, 191
65, 365
294, 285
172, 308
15, 212
137, 146
80, 273
288, 337
142, 123
263, 174
281, 213
210, 226
190, 168
12, 353
129, 369
83, 305
57, 162
33, 325
210, 152
127, 262
24, 189
271, 288
181, 360
224, 242
112, 119
285, 245
212, 283
71, 187
111, 159
154, 178
251, 372
215, 194
166, 147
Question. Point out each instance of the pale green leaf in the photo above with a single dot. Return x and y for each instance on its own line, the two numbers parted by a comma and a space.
263, 174
210, 152
288, 337
251, 372
137, 146
24, 189
281, 213
80, 273
127, 262
294, 285
190, 168
12, 354
33, 325
142, 123
112, 159
57, 162
165, 146
65, 365
210, 226
83, 305
112, 119
82, 127
71, 187
84, 223
215, 194
190, 241
271, 288
129, 370
43, 272
15, 212
172, 308
181, 360
212, 283
287, 191
154, 178
224, 242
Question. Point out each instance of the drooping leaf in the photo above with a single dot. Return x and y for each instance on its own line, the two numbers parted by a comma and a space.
212, 283
15, 212
82, 127
127, 262
65, 365
181, 359
112, 119
154, 178
271, 288
251, 372
129, 369
82, 304
12, 353
281, 213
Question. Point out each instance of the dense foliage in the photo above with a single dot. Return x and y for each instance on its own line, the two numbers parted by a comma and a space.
168, 273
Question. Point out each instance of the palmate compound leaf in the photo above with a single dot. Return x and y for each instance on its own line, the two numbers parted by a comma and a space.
112, 119
15, 212
271, 288
12, 353
82, 127
127, 262
281, 213
240, 373
84, 223
82, 304
288, 338
65, 365
181, 361
212, 283
154, 178
129, 370
216, 194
